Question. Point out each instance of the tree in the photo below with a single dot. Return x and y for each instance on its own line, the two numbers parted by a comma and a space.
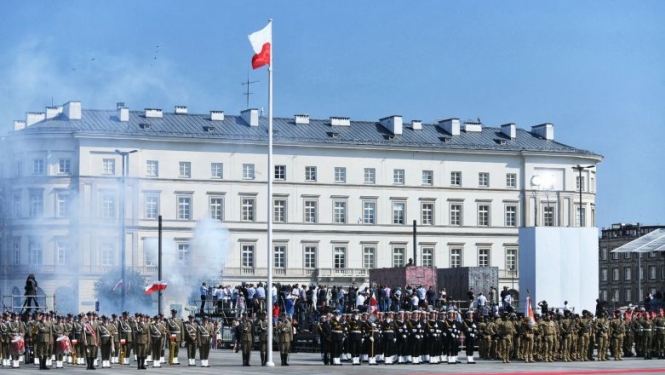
108, 291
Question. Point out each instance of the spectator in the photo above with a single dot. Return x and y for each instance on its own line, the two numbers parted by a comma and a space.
431, 296
508, 302
204, 293
481, 301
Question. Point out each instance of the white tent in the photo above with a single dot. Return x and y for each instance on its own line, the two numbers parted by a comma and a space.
654, 241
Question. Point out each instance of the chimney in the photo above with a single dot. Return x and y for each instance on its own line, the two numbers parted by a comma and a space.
393, 124
450, 125
509, 130
119, 105
251, 116
302, 119
123, 113
217, 115
73, 110
545, 131
416, 125
473, 127
181, 110
19, 125
52, 112
32, 118
340, 121
153, 113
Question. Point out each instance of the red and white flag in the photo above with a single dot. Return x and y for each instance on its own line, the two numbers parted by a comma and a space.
117, 286
261, 43
528, 311
155, 287
373, 306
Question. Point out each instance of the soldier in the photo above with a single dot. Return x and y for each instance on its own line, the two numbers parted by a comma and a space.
89, 341
141, 340
126, 333
325, 336
659, 334
4, 341
106, 331
566, 330
617, 333
368, 349
337, 336
59, 330
388, 338
285, 330
355, 338
433, 339
416, 330
205, 332
68, 326
401, 343
191, 340
115, 333
602, 328
442, 330
453, 331
48, 318
470, 331
175, 328
506, 332
647, 334
629, 338
527, 330
16, 333
261, 328
584, 335
157, 334
246, 338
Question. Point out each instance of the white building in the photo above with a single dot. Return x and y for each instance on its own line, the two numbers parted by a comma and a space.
345, 194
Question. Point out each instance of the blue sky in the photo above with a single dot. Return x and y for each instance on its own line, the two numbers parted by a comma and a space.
596, 69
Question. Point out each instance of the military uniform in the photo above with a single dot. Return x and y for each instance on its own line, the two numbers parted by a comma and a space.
16, 331
416, 330
175, 328
206, 331
388, 339
325, 336
506, 332
106, 330
246, 339
602, 329
157, 334
89, 342
191, 340
261, 330
141, 341
285, 331
453, 331
127, 336
337, 337
470, 332
617, 333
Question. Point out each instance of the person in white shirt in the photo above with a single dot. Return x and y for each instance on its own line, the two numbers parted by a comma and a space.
481, 300
360, 301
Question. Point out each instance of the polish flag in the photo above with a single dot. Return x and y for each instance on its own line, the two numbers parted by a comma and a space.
528, 311
261, 43
373, 306
155, 287
117, 286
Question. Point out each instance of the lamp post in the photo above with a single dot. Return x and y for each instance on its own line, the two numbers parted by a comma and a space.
580, 168
123, 245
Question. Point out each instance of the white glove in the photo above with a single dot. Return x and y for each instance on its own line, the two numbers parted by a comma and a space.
371, 339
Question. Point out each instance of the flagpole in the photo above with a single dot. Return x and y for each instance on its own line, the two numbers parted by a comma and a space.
268, 288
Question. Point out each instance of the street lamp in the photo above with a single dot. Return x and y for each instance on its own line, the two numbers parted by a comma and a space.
580, 168
123, 245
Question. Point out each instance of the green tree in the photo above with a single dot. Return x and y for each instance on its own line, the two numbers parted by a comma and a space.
108, 291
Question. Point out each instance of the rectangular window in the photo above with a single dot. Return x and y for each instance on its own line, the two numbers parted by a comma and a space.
38, 166
511, 259
455, 258
548, 216
310, 257
61, 204
19, 168
279, 211
107, 255
428, 178
626, 274
340, 175
36, 203
398, 256
16, 205
310, 211
627, 255
456, 214
483, 257
108, 166
369, 212
280, 172
603, 274
399, 213
427, 214
64, 166
247, 209
248, 171
579, 181
483, 179
653, 272
247, 256
280, 256
456, 178
16, 248
339, 257
428, 256
370, 176
217, 208
152, 168
398, 176
615, 295
217, 171
151, 206
603, 253
183, 253
35, 252
339, 212
581, 217
511, 216
310, 174
615, 274
185, 169
628, 294
603, 295
615, 256
368, 256
511, 180
108, 206
60, 253
185, 208
483, 215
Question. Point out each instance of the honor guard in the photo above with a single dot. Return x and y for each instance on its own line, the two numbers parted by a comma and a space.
106, 330
470, 332
157, 335
90, 342
191, 340
388, 338
337, 335
285, 331
175, 328
206, 331
261, 330
453, 331
355, 338
415, 330
246, 338
141, 340
325, 337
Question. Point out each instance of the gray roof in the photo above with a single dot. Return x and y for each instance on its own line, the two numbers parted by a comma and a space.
654, 241
286, 131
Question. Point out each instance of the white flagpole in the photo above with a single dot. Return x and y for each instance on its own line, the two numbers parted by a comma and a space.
268, 288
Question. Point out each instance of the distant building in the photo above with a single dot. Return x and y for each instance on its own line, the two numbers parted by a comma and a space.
620, 277
345, 195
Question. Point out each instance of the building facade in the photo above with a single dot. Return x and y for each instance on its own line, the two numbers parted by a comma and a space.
345, 195
626, 278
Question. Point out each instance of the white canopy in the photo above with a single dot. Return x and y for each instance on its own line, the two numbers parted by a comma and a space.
654, 241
